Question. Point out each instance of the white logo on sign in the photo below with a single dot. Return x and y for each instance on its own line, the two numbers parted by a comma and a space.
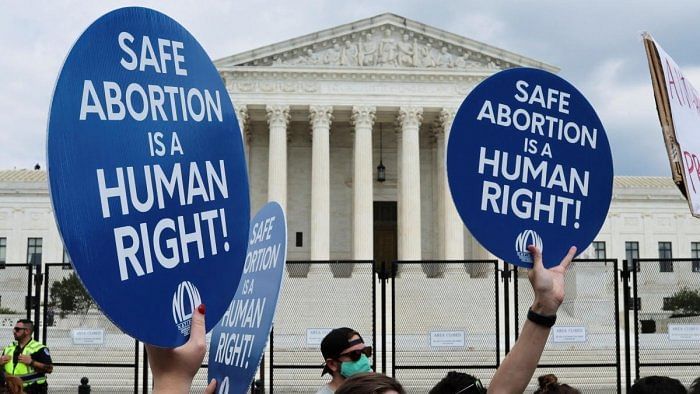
223, 389
185, 299
527, 237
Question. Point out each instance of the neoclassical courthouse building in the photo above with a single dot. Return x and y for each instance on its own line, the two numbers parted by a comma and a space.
320, 113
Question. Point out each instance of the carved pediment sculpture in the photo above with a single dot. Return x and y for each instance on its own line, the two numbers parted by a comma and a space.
386, 46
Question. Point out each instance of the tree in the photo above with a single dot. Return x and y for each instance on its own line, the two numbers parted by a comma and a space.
684, 302
69, 296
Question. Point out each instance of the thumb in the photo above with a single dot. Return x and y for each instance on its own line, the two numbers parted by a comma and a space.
198, 330
211, 388
536, 254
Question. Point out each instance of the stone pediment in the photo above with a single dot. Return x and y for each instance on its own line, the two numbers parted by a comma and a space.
386, 41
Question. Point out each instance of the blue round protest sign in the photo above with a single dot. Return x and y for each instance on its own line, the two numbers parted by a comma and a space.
528, 162
147, 174
239, 340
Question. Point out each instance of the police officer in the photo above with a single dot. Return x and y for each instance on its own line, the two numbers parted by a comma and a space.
27, 359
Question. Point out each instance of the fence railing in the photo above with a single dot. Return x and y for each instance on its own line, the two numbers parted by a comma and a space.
424, 318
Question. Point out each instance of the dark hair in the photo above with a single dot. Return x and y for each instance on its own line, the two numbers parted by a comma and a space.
694, 387
369, 383
550, 384
335, 342
658, 384
27, 323
456, 381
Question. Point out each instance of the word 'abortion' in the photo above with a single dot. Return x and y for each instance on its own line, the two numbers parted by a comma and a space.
536, 123
523, 202
109, 100
138, 246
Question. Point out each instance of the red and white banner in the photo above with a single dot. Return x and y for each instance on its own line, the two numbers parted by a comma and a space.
678, 105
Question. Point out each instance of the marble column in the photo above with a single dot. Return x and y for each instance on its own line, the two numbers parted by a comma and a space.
320, 118
452, 228
278, 120
362, 184
409, 222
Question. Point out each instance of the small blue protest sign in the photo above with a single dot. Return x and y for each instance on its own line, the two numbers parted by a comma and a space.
147, 174
528, 162
238, 341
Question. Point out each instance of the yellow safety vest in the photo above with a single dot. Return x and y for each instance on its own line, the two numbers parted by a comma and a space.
21, 370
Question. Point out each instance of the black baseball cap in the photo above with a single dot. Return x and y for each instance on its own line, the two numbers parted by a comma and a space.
335, 342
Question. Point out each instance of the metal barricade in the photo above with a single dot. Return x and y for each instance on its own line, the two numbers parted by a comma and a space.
666, 308
346, 290
583, 348
445, 316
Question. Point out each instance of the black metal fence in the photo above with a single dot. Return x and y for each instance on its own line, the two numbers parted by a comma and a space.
344, 295
438, 325
86, 343
424, 318
665, 303
585, 342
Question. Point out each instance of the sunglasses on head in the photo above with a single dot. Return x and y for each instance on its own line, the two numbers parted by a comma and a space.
477, 384
356, 354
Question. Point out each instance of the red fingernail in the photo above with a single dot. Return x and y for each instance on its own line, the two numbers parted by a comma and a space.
201, 308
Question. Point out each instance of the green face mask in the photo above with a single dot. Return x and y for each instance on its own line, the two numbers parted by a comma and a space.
350, 368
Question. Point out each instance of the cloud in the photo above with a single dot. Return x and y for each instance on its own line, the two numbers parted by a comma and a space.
595, 43
628, 113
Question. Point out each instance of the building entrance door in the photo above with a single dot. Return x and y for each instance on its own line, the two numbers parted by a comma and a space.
385, 235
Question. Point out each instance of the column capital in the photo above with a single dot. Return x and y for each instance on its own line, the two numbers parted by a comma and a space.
410, 117
363, 116
321, 116
447, 116
278, 115
243, 118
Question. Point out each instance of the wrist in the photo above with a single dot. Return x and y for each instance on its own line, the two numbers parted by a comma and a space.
541, 320
171, 384
544, 308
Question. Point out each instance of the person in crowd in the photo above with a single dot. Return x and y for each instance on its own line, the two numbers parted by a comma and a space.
549, 384
548, 284
174, 369
370, 383
694, 387
658, 384
345, 355
458, 382
10, 384
27, 358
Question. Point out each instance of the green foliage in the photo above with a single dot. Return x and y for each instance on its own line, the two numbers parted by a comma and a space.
7, 311
685, 302
69, 296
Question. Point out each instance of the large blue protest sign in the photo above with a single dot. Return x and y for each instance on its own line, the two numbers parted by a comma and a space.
238, 341
147, 174
528, 162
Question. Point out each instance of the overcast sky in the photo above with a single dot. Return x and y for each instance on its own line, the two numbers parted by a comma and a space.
596, 44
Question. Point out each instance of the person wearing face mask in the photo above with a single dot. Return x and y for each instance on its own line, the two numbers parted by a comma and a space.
345, 355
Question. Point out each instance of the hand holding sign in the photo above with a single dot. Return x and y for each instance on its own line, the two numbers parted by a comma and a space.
528, 163
147, 174
174, 369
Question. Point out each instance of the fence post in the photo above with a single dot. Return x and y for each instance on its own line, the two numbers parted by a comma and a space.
625, 274
37, 296
84, 387
505, 275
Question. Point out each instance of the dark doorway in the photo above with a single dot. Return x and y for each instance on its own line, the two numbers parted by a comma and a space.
385, 235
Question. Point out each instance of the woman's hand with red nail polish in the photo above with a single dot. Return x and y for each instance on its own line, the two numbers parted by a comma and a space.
174, 369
